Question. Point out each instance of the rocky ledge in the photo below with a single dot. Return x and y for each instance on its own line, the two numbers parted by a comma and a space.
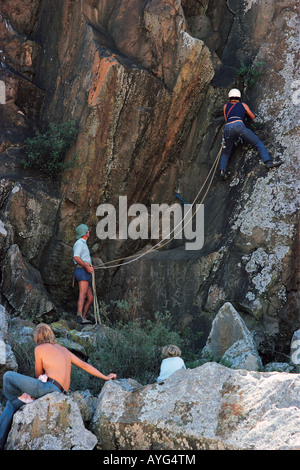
211, 407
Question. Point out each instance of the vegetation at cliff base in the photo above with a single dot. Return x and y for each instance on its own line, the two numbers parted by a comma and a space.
133, 349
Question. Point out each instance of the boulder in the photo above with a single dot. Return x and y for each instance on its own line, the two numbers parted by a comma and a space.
87, 404
7, 357
279, 367
23, 287
52, 422
230, 340
210, 407
241, 355
22, 332
30, 206
295, 348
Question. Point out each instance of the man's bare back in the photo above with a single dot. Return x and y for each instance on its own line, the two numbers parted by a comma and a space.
55, 361
51, 361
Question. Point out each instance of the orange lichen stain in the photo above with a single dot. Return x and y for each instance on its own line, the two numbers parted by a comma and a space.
232, 408
100, 70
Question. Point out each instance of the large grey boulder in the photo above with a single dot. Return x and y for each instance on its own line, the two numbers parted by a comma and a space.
7, 357
23, 287
53, 422
295, 348
230, 340
211, 407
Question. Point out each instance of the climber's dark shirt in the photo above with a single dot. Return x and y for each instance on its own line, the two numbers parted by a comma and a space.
236, 111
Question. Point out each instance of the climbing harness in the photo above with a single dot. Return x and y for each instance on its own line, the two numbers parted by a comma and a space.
162, 243
239, 141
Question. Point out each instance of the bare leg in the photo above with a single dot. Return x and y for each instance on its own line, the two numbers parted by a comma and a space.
88, 301
85, 298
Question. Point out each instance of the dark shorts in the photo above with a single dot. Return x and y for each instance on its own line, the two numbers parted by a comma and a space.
80, 274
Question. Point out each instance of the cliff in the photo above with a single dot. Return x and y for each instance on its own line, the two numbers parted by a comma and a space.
145, 85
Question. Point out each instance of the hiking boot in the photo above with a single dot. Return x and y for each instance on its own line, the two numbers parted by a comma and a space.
223, 175
271, 164
83, 321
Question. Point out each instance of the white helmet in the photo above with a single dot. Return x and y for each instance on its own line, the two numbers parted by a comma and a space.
234, 93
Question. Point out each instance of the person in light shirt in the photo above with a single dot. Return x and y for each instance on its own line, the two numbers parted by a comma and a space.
171, 362
83, 273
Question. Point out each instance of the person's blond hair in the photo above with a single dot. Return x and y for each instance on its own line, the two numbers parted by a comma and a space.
44, 334
171, 351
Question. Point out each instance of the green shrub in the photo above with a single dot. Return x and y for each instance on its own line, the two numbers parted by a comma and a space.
131, 347
134, 349
47, 151
250, 73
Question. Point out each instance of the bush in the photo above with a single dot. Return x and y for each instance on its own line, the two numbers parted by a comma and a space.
250, 73
134, 349
47, 151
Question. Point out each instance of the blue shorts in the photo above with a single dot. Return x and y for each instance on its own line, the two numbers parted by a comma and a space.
80, 274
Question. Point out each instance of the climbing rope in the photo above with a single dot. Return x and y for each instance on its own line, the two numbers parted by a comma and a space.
96, 304
166, 239
133, 258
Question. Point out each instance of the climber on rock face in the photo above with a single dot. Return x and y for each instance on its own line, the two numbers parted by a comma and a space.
83, 273
234, 113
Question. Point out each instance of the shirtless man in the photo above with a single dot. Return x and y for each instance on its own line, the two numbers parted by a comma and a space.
53, 371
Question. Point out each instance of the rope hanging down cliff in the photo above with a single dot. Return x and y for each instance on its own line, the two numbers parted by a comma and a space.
162, 243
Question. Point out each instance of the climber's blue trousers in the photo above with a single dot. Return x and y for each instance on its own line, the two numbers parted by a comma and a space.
238, 129
14, 385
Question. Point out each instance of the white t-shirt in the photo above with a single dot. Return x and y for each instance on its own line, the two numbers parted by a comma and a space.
169, 366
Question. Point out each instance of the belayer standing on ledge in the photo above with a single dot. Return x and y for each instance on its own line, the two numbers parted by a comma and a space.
234, 113
83, 273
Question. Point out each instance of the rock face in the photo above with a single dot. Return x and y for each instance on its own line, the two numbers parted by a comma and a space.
145, 85
208, 408
250, 255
